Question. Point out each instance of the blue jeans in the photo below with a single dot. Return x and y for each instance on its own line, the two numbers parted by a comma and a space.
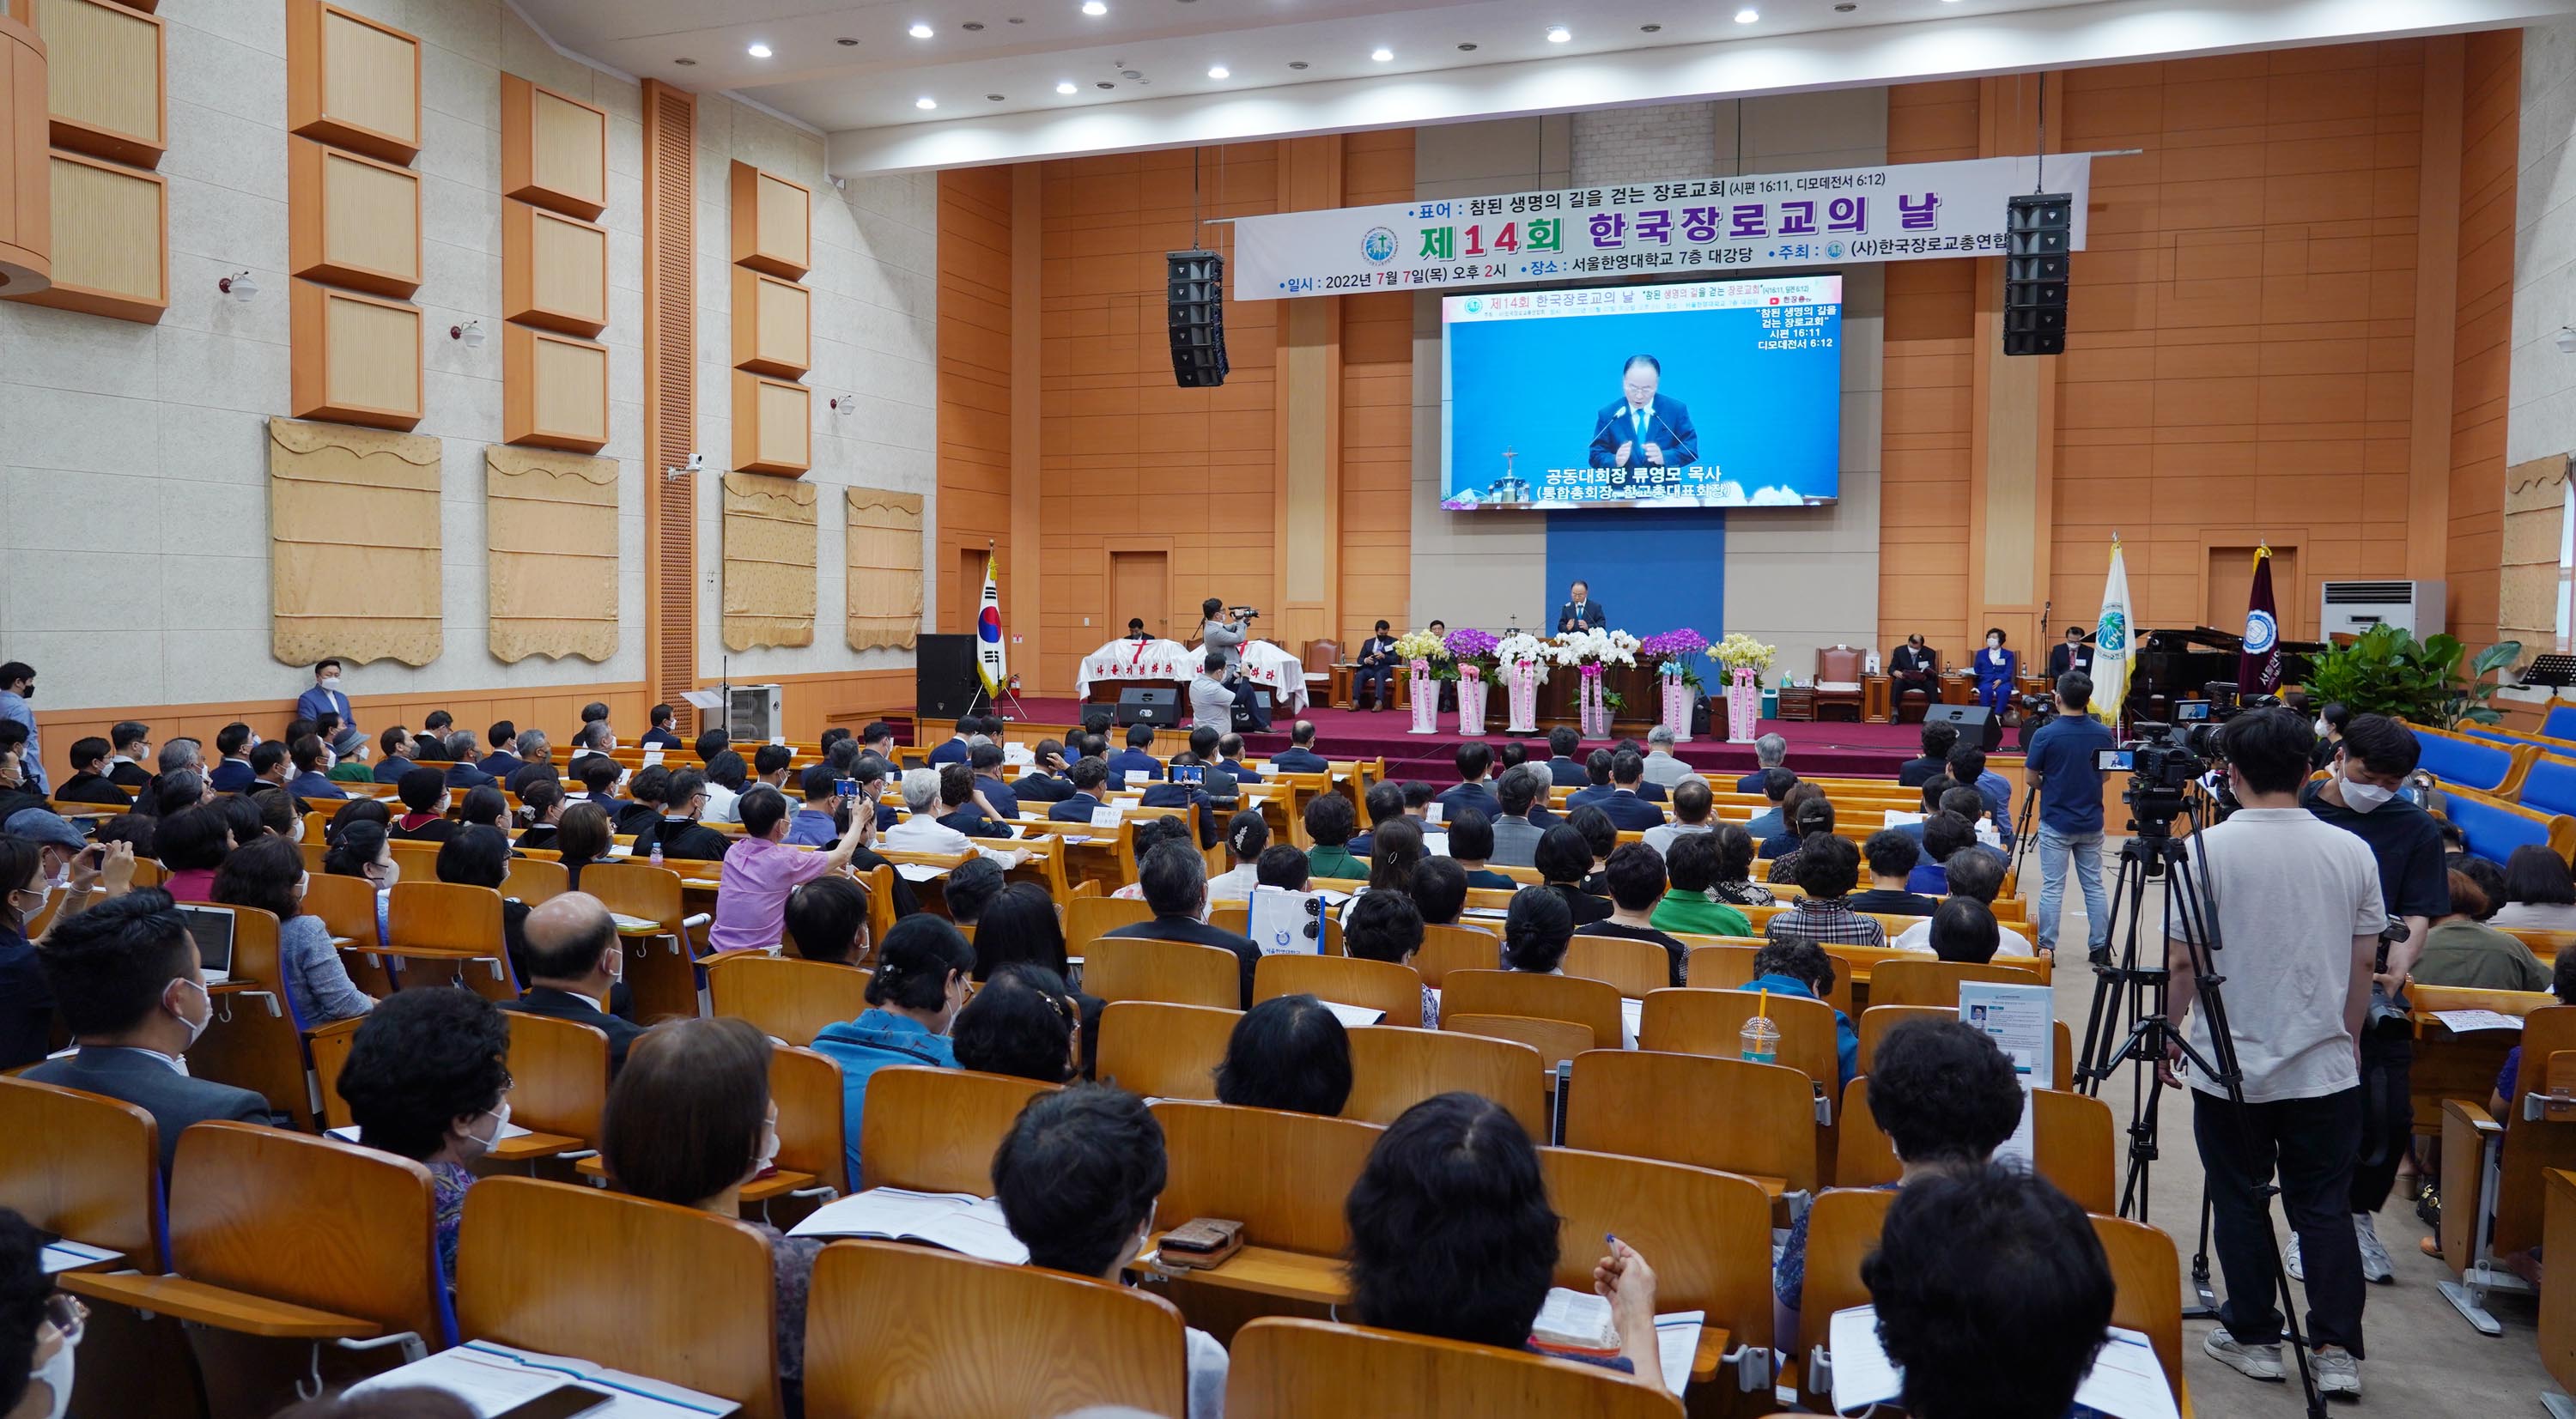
2054, 847
1382, 677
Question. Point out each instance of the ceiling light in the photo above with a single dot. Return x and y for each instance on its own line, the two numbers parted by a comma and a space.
1219, 71
1094, 8
845, 41
1296, 63
1065, 88
758, 51
1747, 15
1558, 34
1381, 54
239, 285
1467, 49
925, 102
921, 31
686, 63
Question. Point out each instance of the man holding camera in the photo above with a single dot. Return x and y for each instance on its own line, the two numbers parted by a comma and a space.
2062, 766
2298, 911
1227, 634
2359, 795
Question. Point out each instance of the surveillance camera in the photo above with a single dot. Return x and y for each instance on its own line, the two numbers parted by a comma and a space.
697, 463
2567, 339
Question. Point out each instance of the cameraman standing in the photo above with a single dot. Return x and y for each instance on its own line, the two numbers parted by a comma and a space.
2359, 795
2297, 907
2060, 766
1228, 635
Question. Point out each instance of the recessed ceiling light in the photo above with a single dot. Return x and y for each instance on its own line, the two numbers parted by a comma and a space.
1381, 54
1296, 63
973, 26
1467, 48
1065, 88
997, 98
1747, 15
1102, 84
1219, 71
845, 41
686, 63
1095, 8
758, 51
1558, 34
1650, 29
925, 102
921, 30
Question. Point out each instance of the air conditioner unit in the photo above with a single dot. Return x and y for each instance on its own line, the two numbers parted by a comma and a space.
754, 714
2352, 607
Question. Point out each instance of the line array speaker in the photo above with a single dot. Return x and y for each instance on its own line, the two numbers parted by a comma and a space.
1195, 296
2038, 230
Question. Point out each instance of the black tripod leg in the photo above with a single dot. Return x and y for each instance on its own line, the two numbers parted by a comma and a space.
2205, 1307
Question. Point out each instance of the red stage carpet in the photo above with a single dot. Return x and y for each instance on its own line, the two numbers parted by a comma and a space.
1828, 748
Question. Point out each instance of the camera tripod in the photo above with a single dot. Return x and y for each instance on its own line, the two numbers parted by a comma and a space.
2130, 993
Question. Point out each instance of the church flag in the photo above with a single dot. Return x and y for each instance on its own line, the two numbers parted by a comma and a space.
2258, 667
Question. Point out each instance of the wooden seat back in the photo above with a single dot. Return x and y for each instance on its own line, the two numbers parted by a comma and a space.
895, 1329
559, 1075
1393, 1068
2073, 1145
1178, 972
1707, 1233
670, 1293
660, 972
1456, 948
1633, 967
1729, 1114
1158, 1050
1344, 980
1283, 1368
417, 858
813, 1122
1557, 1041
308, 1221
2532, 1146
1087, 920
533, 880
450, 916
1590, 1003
347, 906
84, 1166
329, 1048
786, 996
934, 1130
1282, 1175
1719, 966
1711, 1022
1842, 1230
1931, 981
2146, 1280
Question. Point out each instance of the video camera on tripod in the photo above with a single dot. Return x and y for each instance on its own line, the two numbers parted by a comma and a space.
2162, 763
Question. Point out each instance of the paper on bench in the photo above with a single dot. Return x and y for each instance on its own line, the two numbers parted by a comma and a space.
1353, 1016
65, 1254
958, 1221
1677, 1345
1105, 816
919, 871
493, 1379
1631, 1010
2126, 1382
2462, 1022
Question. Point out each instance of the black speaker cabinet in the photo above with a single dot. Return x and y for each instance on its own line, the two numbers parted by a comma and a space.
1976, 724
1195, 306
944, 680
2039, 229
1159, 708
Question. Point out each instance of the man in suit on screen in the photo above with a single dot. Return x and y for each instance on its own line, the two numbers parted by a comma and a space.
1644, 429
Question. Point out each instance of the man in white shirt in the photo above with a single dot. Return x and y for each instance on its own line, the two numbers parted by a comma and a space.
923, 832
2298, 916
1211, 699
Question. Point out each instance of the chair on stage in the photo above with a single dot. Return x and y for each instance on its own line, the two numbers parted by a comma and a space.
1326, 676
1920, 697
1838, 679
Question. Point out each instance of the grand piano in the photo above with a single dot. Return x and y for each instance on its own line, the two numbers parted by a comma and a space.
2175, 665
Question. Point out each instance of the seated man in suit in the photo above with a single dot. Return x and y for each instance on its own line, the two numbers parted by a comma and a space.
232, 744
268, 764
1913, 669
1625, 809
1300, 756
953, 749
599, 774
1773, 821
646, 787
1211, 798
89, 782
1229, 757
677, 829
1938, 740
1087, 775
1515, 829
818, 823
1373, 670
1474, 793
1769, 752
312, 770
536, 761
2070, 654
1174, 876
503, 760
1563, 769
126, 977
1663, 769
574, 956
1136, 758
1694, 811
660, 735
463, 749
1383, 801
393, 754
1045, 781
131, 742
1596, 777
985, 760
963, 807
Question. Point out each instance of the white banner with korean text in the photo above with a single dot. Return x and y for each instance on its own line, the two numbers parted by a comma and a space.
1764, 221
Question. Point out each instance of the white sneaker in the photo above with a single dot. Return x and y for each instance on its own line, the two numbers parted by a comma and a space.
2261, 1362
2375, 1265
2338, 1373
2290, 1260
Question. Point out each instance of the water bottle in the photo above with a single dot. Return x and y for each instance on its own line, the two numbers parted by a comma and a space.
657, 852
1761, 1040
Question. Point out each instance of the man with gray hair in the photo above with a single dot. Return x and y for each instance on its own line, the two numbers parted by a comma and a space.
182, 753
1661, 767
1769, 752
923, 832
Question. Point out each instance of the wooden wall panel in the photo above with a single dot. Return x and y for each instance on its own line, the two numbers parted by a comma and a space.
1930, 332
670, 394
357, 358
772, 424
353, 221
554, 270
976, 394
772, 324
882, 578
773, 222
551, 524
1375, 575
110, 227
104, 87
352, 80
26, 224
2482, 341
554, 149
769, 560
554, 390
354, 544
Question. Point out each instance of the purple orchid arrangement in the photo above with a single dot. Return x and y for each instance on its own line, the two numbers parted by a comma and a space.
1675, 649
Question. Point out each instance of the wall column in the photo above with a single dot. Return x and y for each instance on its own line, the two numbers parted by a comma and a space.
1305, 534
1025, 560
2012, 437
2437, 285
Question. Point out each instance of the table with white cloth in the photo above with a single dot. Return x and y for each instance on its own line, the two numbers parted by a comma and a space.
1167, 662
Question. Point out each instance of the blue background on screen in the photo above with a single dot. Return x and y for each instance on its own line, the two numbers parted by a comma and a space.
1765, 418
1657, 569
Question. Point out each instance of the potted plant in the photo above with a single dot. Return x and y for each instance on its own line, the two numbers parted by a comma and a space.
2387, 671
1673, 651
1745, 659
1472, 652
1421, 652
1523, 658
1587, 651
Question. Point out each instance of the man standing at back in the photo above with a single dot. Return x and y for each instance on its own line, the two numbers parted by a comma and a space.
2060, 767
324, 696
17, 687
1211, 699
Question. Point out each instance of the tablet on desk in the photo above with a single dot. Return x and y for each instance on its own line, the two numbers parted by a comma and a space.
212, 929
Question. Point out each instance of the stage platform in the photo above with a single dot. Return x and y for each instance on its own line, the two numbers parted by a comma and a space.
1830, 747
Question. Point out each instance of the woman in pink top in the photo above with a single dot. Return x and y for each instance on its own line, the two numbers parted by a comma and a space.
759, 872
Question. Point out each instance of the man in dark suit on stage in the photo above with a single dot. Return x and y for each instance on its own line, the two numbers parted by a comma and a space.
1643, 429
1580, 611
1374, 675
2070, 654
1914, 670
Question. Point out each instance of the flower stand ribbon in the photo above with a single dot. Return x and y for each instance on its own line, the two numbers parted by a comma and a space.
1472, 691
1595, 708
1426, 699
1743, 703
1520, 682
1677, 702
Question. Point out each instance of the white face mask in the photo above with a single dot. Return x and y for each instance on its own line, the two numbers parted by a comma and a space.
486, 1142
56, 1376
330, 682
2321, 727
1994, 642
2363, 797
197, 1027
768, 1146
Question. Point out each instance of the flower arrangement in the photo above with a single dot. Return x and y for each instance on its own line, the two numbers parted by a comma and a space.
1419, 645
1522, 648
1675, 649
1469, 646
1742, 652
1595, 647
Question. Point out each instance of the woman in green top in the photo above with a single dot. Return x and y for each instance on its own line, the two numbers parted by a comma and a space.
1691, 865
1329, 821
2461, 950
